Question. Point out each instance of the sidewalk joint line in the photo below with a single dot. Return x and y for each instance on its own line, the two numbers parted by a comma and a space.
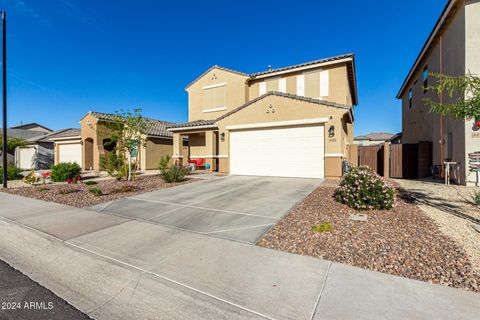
321, 290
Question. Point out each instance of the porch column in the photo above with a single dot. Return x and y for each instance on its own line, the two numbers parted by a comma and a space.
211, 144
177, 148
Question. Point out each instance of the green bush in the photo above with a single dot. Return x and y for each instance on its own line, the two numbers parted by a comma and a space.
363, 189
114, 164
174, 174
164, 162
65, 170
90, 183
96, 192
13, 173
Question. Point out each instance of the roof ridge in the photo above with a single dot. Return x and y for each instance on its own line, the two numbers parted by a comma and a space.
332, 58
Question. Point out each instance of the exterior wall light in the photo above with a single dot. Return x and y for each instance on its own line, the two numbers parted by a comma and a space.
331, 132
222, 137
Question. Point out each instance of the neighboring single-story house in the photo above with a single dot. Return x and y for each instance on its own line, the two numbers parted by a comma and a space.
38, 153
295, 121
373, 138
94, 142
68, 146
452, 48
24, 132
33, 126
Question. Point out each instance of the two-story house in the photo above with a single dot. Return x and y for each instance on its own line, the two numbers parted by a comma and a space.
295, 121
452, 48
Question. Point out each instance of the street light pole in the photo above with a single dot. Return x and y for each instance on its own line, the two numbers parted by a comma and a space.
4, 92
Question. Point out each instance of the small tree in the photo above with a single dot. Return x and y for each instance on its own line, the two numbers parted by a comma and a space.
12, 143
465, 92
127, 131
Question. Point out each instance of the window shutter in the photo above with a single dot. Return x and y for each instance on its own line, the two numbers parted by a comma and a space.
262, 88
324, 83
282, 85
300, 85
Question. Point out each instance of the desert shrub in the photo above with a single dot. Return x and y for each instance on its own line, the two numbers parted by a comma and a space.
113, 164
65, 170
96, 192
13, 173
323, 227
363, 189
164, 162
476, 198
174, 174
90, 183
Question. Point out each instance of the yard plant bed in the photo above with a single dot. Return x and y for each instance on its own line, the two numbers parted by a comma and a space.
402, 241
79, 195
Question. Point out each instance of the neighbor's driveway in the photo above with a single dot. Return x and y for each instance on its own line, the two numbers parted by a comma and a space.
238, 208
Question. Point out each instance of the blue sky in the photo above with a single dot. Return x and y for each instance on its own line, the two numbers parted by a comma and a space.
67, 57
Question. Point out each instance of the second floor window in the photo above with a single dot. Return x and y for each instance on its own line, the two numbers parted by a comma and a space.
214, 97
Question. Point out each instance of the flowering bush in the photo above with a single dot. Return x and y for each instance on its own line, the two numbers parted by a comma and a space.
363, 189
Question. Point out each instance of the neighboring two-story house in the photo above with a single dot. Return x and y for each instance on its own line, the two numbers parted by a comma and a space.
295, 121
452, 48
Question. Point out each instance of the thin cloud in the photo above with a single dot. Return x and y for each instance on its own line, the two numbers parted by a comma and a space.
79, 14
21, 7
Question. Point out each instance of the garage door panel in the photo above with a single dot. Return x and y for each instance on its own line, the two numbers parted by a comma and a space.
284, 152
70, 153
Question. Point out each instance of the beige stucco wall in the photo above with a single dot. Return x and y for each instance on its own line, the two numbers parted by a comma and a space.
236, 93
90, 129
155, 148
339, 91
472, 64
418, 123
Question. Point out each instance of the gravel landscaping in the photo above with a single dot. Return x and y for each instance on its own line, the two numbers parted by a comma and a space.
452, 210
403, 241
79, 195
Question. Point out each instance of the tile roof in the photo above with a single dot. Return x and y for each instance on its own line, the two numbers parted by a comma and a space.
199, 123
380, 136
155, 128
28, 126
65, 133
305, 64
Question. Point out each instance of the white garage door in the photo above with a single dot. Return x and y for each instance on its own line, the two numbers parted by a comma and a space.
26, 157
70, 153
281, 152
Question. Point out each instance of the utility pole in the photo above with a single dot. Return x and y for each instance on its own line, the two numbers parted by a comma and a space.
4, 92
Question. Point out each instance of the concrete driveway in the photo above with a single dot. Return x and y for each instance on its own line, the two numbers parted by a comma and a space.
237, 208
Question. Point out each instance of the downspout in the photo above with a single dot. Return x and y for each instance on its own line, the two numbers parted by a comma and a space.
441, 102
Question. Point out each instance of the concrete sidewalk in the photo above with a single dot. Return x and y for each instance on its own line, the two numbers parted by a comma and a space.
112, 267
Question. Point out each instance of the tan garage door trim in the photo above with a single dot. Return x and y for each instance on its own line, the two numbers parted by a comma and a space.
277, 124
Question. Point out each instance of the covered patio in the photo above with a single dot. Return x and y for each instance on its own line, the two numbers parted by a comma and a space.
203, 145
